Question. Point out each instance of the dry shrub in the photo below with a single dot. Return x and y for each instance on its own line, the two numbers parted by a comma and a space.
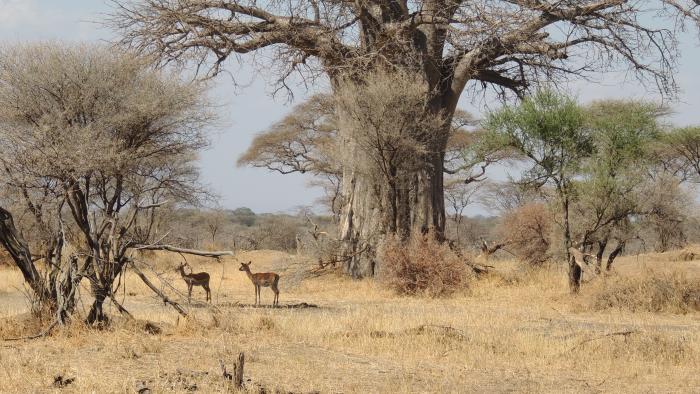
422, 266
647, 292
528, 229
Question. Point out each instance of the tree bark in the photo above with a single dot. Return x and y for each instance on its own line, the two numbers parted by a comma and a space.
602, 244
574, 275
416, 206
18, 249
613, 255
574, 268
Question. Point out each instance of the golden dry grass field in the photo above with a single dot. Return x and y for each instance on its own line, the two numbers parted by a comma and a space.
513, 331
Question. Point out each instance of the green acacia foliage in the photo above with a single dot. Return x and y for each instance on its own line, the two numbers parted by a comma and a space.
616, 174
548, 130
594, 163
680, 151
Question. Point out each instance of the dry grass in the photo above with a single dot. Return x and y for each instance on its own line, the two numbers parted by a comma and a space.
646, 292
515, 331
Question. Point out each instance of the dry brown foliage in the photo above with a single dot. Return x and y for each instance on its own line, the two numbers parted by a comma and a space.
422, 266
528, 228
647, 292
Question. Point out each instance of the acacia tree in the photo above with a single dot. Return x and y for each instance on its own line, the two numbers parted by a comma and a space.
453, 46
547, 132
92, 142
615, 178
305, 141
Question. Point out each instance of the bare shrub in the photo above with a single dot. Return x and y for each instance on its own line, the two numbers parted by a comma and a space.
648, 292
422, 266
528, 230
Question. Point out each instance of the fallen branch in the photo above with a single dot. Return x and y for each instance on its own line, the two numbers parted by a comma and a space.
194, 252
622, 333
195, 303
165, 298
121, 308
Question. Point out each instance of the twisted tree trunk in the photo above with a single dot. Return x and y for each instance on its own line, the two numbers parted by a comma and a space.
18, 249
613, 255
602, 244
97, 315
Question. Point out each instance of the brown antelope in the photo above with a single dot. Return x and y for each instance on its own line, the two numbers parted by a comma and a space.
192, 279
262, 279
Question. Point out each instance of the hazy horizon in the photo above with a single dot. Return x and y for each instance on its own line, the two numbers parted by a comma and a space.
250, 109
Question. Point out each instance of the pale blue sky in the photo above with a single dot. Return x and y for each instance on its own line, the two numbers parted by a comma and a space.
251, 109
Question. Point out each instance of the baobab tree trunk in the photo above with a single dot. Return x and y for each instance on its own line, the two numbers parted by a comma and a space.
419, 207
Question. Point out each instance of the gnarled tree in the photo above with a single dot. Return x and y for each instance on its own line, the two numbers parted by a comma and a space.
92, 142
453, 46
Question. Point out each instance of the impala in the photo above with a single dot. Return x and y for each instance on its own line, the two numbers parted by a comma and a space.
198, 279
262, 279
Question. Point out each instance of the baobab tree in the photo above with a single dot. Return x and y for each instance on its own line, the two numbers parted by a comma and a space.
451, 46
306, 142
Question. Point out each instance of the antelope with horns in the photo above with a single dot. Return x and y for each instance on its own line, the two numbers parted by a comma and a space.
262, 279
192, 279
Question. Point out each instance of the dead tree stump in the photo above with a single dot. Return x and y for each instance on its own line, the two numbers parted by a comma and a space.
237, 376
238, 371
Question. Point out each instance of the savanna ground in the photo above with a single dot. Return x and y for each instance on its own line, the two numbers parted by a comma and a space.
512, 331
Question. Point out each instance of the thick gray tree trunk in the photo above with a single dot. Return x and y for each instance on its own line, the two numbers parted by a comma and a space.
373, 209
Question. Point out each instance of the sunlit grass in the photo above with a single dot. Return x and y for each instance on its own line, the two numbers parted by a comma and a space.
514, 330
